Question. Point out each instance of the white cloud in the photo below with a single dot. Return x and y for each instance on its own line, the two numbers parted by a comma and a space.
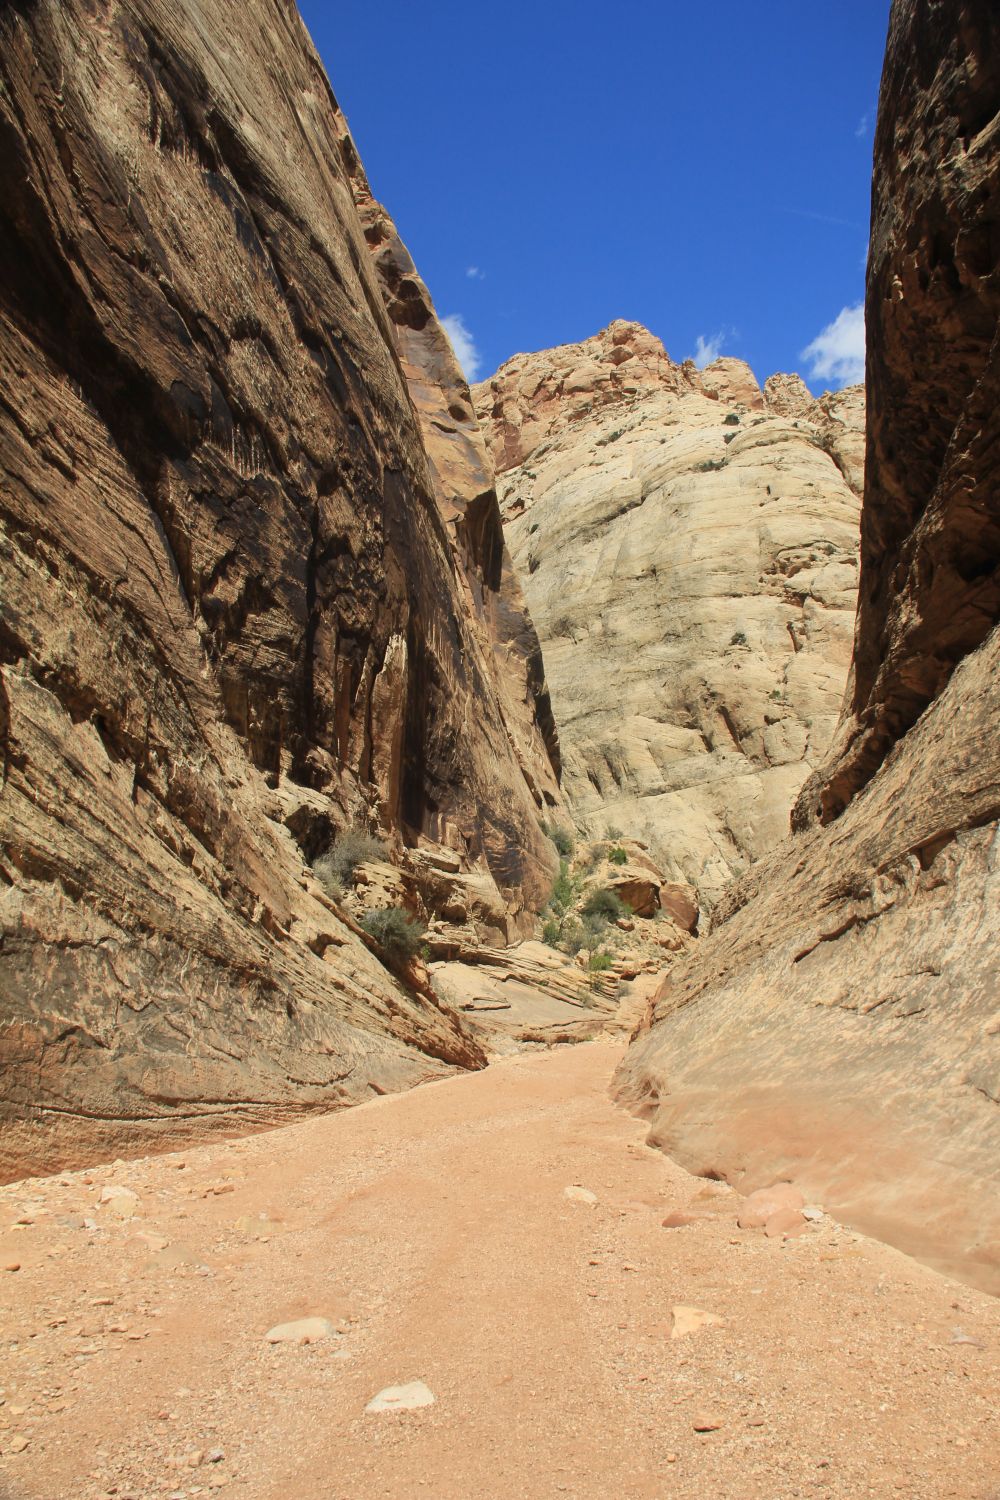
463, 344
706, 350
475, 274
837, 354
862, 126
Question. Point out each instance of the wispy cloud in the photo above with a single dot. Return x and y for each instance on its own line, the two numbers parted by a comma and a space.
706, 350
808, 213
475, 273
837, 353
463, 344
862, 126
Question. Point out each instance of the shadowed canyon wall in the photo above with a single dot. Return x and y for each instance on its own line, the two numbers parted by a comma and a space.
840, 1025
254, 585
688, 545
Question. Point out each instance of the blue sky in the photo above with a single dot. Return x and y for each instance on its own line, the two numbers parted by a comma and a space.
551, 166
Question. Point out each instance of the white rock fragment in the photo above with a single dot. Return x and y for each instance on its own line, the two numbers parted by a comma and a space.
302, 1331
113, 1191
402, 1397
580, 1195
691, 1319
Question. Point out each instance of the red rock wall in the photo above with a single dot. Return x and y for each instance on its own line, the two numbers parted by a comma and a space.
235, 600
930, 531
840, 1025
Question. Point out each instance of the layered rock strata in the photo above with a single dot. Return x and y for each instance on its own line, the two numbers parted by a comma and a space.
840, 1026
688, 546
254, 586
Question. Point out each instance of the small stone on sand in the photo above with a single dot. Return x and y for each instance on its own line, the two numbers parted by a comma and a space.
402, 1397
691, 1319
303, 1331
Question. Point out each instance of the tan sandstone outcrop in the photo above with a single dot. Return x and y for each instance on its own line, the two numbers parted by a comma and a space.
840, 1027
688, 547
254, 589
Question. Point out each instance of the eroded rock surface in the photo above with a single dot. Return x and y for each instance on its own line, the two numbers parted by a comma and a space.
248, 598
840, 1026
688, 547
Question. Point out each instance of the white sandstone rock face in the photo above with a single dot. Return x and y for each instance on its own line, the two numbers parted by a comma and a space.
688, 546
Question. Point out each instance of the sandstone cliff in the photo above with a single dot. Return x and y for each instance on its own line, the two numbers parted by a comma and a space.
841, 1025
254, 587
688, 545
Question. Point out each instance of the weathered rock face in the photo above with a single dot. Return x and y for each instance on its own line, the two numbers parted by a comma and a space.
242, 594
840, 1026
688, 547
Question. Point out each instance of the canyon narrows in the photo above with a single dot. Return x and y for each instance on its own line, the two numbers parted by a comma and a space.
362, 730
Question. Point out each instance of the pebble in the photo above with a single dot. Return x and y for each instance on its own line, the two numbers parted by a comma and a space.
12, 1265
691, 1319
679, 1220
402, 1397
302, 1331
152, 1242
707, 1422
17, 1444
113, 1191
785, 1223
580, 1195
765, 1203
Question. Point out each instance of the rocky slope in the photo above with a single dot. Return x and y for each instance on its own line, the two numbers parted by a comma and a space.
254, 583
688, 545
841, 1024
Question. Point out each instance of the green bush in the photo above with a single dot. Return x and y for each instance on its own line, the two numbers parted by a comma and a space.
618, 856
563, 890
739, 639
572, 936
599, 961
395, 931
606, 904
731, 419
563, 840
336, 868
551, 931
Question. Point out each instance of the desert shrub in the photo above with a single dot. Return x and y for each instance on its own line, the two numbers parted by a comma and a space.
710, 464
563, 839
595, 930
617, 856
598, 962
572, 936
563, 890
611, 832
739, 639
394, 930
606, 904
551, 931
335, 869
731, 419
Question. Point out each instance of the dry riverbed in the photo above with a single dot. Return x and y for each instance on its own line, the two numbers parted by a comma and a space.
433, 1236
